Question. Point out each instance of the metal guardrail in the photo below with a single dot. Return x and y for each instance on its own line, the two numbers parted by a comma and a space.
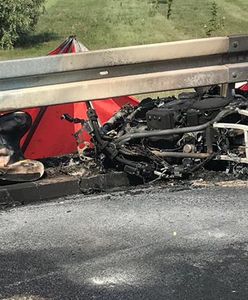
117, 72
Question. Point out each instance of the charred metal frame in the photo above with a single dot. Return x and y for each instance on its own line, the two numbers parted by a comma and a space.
117, 72
235, 126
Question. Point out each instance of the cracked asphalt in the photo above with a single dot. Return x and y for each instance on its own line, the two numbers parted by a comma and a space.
151, 243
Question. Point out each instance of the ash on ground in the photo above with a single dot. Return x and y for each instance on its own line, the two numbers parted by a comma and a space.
70, 165
205, 178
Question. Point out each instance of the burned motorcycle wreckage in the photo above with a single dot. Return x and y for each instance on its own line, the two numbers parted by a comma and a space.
173, 136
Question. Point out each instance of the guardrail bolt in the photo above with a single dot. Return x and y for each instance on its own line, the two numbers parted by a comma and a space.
234, 75
235, 44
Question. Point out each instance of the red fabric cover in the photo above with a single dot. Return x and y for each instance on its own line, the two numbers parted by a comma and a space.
244, 87
54, 137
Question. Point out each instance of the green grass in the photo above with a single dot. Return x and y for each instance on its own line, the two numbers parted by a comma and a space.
113, 23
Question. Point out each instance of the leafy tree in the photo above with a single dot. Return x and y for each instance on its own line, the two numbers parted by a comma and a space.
18, 18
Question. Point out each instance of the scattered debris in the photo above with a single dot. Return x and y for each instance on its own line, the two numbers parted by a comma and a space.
70, 165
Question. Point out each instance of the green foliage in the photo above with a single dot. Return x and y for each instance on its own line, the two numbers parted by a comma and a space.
154, 6
17, 18
215, 22
117, 23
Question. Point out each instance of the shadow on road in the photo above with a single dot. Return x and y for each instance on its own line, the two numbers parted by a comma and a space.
142, 273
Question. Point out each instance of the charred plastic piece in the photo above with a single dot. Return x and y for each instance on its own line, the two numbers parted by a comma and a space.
13, 166
158, 118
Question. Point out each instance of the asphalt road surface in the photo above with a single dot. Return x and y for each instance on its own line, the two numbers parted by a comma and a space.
143, 244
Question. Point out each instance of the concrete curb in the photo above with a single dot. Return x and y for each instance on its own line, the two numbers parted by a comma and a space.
48, 189
103, 182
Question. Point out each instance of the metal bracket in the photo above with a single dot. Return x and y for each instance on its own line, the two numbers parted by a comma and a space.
238, 43
238, 72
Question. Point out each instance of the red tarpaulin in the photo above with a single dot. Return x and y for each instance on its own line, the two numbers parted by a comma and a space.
244, 88
54, 137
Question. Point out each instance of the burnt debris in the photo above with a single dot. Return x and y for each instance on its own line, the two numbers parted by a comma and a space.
172, 137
